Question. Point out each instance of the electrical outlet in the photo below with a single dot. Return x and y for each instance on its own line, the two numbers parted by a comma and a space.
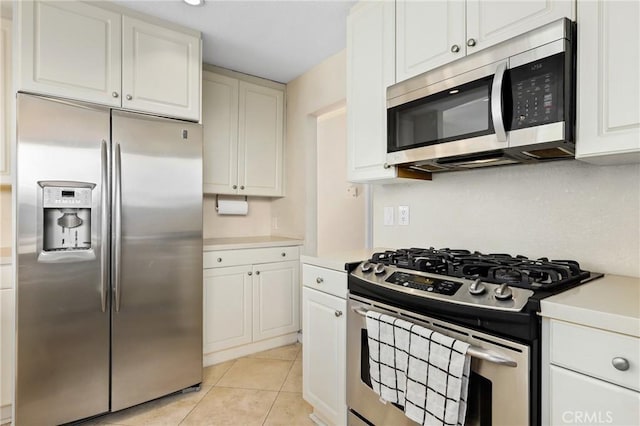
403, 215
388, 215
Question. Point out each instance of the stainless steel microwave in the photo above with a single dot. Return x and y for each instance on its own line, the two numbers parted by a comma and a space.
511, 103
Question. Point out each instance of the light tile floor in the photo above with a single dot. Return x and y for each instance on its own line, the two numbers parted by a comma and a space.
260, 389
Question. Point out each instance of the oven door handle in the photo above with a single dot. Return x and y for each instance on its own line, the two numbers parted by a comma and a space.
473, 351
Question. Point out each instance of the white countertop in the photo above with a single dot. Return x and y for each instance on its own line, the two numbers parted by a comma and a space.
336, 261
211, 244
610, 303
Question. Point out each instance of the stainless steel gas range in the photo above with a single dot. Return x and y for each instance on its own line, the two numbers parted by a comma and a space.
490, 301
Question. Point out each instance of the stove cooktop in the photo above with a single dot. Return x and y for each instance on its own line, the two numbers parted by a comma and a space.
495, 281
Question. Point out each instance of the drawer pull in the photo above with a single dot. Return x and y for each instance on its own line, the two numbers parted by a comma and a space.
338, 313
319, 280
219, 259
284, 254
620, 363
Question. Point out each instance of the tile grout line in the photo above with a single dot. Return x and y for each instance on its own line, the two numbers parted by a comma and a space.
207, 393
279, 390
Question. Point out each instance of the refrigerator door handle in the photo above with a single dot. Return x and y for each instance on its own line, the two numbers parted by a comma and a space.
104, 260
117, 224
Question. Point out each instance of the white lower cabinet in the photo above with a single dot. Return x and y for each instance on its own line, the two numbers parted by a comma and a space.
249, 307
580, 399
592, 375
324, 339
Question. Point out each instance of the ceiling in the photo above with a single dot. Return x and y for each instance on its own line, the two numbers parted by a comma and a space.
277, 40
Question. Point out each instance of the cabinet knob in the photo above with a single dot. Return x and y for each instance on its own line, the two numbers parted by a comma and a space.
242, 187
455, 48
284, 254
471, 42
235, 187
257, 272
338, 313
114, 94
620, 363
219, 259
386, 166
129, 97
319, 280
249, 273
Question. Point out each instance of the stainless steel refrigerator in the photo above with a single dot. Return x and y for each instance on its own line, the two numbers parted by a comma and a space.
109, 259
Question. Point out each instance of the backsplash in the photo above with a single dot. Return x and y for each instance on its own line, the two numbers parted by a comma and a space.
256, 222
562, 210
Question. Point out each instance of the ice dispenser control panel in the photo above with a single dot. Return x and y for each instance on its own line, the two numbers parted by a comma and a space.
67, 217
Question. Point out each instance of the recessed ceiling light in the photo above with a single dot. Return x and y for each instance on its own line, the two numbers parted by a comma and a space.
194, 2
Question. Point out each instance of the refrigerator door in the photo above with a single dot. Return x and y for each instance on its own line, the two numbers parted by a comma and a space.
62, 329
157, 257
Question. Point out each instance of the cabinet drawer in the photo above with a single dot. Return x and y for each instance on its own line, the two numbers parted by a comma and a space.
591, 351
326, 280
223, 258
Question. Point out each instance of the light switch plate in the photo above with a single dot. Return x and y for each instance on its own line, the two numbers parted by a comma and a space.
388, 215
403, 215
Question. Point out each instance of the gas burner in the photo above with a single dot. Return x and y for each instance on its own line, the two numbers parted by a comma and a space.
497, 268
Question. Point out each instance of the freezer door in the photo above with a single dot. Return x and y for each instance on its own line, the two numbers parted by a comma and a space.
157, 257
62, 282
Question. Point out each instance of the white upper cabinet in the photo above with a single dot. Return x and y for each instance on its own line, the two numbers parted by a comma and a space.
77, 50
243, 125
6, 100
492, 22
70, 49
220, 130
260, 139
160, 70
370, 69
432, 33
429, 34
608, 122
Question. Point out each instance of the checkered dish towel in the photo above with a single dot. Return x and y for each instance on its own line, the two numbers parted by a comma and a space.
433, 367
388, 355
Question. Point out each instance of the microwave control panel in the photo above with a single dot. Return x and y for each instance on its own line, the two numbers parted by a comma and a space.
537, 92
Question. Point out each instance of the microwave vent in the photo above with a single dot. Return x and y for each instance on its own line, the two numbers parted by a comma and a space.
549, 153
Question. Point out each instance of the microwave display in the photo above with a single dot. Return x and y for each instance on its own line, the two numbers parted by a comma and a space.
536, 92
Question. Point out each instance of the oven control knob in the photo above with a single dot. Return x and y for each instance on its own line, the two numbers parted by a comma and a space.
477, 287
503, 292
379, 269
366, 267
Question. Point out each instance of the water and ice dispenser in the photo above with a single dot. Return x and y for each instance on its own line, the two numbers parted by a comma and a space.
67, 216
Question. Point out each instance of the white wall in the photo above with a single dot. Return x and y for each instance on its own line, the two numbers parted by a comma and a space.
561, 210
341, 204
308, 96
256, 222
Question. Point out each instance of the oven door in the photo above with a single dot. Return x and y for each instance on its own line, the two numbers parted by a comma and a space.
498, 390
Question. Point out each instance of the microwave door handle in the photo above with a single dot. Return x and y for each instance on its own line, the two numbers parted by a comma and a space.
496, 102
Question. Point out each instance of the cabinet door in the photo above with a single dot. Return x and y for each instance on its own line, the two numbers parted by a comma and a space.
260, 140
324, 328
227, 307
276, 305
6, 100
220, 130
608, 84
69, 49
428, 34
578, 399
370, 69
7, 347
160, 70
491, 22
